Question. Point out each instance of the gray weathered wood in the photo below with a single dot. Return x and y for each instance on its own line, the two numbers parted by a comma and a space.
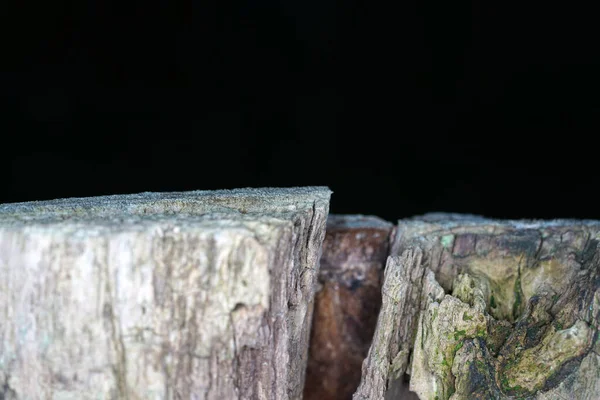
482, 309
392, 342
196, 295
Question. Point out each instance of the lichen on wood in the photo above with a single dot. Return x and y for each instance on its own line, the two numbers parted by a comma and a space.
514, 312
196, 295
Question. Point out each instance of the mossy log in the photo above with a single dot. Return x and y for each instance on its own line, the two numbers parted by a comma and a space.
482, 309
196, 295
346, 304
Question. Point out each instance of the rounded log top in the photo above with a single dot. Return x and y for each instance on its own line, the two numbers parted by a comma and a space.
247, 203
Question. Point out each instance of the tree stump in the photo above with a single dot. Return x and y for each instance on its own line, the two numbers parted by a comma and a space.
482, 309
196, 295
346, 306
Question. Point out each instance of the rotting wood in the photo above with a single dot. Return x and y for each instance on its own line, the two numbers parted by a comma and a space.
196, 295
346, 307
494, 309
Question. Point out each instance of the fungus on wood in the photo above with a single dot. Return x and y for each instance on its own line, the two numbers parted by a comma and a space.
481, 309
160, 296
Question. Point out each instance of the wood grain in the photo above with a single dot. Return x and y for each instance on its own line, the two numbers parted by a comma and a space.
195, 295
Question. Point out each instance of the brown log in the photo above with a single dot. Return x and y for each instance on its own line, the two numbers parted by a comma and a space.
347, 304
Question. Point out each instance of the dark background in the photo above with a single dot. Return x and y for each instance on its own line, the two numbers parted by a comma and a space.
479, 107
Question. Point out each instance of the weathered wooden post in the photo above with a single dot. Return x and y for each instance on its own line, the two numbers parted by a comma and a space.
347, 304
196, 295
482, 309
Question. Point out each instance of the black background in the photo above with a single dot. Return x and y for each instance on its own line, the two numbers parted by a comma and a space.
478, 107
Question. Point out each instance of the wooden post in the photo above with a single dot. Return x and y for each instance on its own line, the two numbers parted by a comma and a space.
479, 309
346, 307
197, 295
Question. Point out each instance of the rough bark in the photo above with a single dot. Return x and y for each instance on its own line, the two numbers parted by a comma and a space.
493, 310
346, 306
197, 295
389, 351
